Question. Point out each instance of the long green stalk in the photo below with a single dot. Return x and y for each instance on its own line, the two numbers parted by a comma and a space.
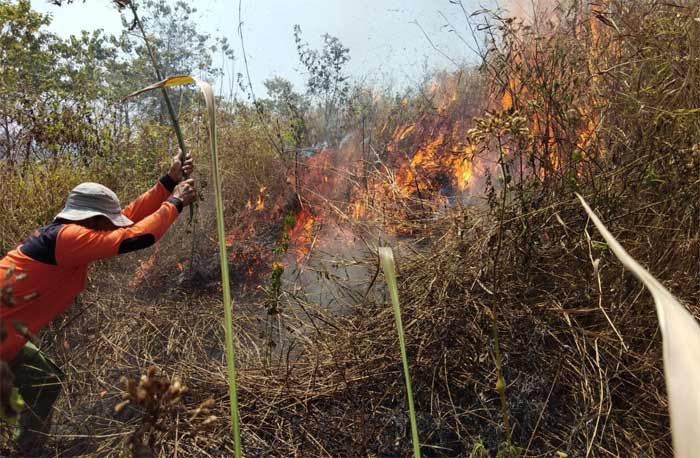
168, 103
159, 77
386, 258
223, 258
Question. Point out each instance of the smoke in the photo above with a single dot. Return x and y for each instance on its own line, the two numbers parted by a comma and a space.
329, 270
530, 10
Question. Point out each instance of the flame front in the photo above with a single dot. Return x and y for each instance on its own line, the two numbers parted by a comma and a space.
527, 90
301, 234
432, 156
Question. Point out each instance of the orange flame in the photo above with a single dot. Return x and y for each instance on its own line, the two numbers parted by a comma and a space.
358, 210
143, 268
438, 160
517, 93
302, 234
260, 204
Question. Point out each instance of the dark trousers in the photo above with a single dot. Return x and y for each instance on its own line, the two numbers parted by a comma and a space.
38, 380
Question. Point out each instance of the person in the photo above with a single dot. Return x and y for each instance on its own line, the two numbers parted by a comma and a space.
50, 269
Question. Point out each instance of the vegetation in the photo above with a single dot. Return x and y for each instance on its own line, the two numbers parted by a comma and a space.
523, 335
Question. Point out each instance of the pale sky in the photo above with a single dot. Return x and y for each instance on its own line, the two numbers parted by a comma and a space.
384, 43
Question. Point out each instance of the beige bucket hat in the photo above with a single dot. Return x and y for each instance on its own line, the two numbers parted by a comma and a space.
91, 199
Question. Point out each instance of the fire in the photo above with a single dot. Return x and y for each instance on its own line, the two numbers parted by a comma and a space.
507, 100
403, 132
441, 164
463, 169
260, 204
559, 144
596, 20
301, 234
426, 166
358, 210
587, 135
143, 268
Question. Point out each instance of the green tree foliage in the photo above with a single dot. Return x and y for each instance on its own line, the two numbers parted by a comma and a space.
180, 49
326, 83
61, 121
291, 110
41, 113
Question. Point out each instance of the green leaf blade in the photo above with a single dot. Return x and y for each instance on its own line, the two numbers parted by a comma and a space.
386, 259
223, 258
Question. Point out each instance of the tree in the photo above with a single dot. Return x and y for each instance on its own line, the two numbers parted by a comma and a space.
326, 80
41, 113
179, 47
291, 108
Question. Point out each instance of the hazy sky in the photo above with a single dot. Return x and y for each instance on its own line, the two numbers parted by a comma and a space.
384, 43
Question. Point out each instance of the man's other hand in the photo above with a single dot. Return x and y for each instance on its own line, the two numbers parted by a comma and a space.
178, 170
186, 192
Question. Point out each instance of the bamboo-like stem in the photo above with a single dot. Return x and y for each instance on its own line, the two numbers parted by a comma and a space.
500, 380
159, 77
169, 105
386, 257
226, 287
223, 258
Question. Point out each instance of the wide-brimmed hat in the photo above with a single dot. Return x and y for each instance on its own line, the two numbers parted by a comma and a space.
91, 199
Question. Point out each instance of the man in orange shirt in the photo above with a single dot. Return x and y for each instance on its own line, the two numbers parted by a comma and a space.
50, 269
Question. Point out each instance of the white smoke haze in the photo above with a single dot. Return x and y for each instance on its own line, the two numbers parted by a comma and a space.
530, 11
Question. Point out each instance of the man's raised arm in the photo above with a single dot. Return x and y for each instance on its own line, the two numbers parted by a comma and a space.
151, 200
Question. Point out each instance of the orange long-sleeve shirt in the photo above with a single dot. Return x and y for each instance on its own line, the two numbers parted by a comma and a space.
55, 259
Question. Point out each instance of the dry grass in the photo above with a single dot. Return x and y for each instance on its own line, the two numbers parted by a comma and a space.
581, 354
